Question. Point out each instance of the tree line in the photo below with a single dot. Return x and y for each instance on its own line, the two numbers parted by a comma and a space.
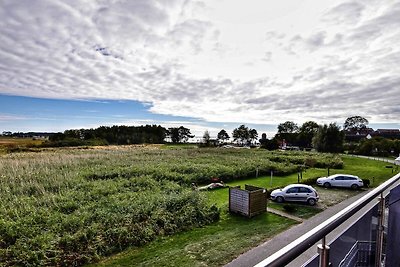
242, 135
323, 138
120, 135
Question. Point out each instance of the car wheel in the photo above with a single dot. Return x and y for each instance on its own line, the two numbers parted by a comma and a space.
354, 186
279, 199
327, 185
311, 202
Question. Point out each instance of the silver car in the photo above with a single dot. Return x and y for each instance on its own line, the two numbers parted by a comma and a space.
341, 180
296, 192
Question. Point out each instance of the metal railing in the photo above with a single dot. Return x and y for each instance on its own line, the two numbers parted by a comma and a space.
360, 254
300, 245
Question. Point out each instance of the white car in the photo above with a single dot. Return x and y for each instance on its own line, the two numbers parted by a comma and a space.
341, 180
296, 192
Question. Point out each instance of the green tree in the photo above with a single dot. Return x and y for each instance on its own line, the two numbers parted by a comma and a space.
57, 137
180, 134
355, 124
223, 136
206, 138
288, 131
288, 127
329, 138
253, 135
241, 134
269, 144
378, 146
306, 133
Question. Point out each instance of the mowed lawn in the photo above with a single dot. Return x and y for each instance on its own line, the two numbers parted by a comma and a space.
221, 242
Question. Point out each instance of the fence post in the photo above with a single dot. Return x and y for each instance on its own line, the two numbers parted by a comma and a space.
270, 184
323, 251
379, 232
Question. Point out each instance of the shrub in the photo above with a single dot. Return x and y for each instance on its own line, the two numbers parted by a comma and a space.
310, 162
366, 182
310, 181
289, 208
97, 218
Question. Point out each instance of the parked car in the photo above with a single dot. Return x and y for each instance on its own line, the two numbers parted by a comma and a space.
341, 180
296, 192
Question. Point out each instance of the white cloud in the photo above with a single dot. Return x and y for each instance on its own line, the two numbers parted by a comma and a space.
8, 117
220, 61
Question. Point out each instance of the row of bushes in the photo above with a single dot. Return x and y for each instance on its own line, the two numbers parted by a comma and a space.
198, 173
201, 165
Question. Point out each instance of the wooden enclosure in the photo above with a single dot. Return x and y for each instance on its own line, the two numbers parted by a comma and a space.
249, 201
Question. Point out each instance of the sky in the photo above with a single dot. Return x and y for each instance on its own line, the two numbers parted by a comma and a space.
206, 64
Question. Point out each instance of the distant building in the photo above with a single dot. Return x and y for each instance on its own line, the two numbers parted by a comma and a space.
388, 133
355, 136
368, 133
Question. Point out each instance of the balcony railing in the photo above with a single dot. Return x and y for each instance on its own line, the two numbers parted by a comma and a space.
362, 253
370, 226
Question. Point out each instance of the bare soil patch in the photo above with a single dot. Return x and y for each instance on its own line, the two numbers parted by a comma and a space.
331, 196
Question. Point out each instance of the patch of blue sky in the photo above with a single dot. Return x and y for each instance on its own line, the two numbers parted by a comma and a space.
18, 113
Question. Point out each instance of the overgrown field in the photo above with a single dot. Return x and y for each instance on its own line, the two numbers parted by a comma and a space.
72, 206
10, 144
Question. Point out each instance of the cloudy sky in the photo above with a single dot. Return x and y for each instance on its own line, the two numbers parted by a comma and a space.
206, 64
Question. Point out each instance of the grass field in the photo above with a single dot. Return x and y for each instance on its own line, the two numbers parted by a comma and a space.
75, 206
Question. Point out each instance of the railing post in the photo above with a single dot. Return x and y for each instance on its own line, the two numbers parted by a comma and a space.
379, 231
323, 251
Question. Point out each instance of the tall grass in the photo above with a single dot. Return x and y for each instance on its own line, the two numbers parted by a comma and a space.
71, 206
